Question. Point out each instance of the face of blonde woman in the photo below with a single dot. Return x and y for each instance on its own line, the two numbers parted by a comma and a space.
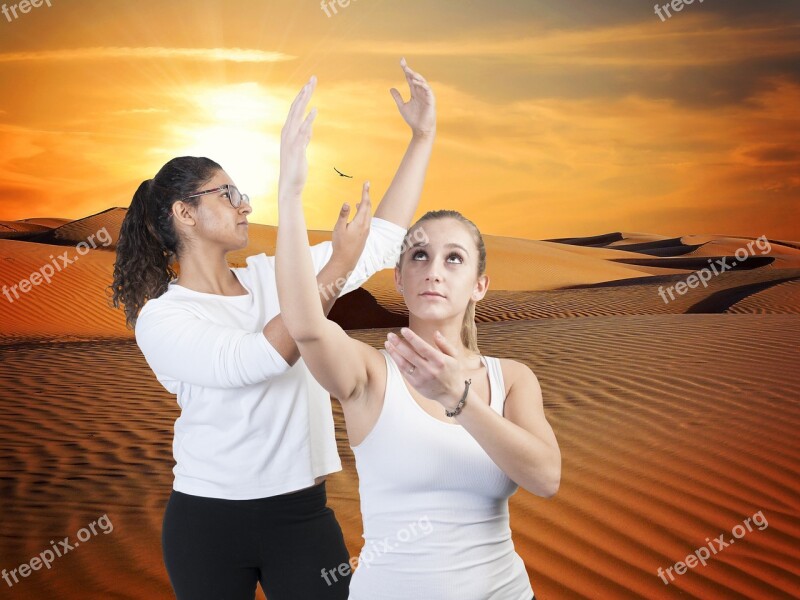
438, 272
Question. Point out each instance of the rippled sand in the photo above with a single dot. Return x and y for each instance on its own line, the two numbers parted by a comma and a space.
677, 421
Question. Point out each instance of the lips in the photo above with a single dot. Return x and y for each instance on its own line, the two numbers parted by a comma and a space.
437, 294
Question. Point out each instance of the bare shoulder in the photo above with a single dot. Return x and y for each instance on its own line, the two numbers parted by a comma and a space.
523, 391
516, 372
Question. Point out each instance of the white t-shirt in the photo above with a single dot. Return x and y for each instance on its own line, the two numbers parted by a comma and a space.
250, 426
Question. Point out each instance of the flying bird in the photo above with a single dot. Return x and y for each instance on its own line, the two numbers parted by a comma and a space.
342, 174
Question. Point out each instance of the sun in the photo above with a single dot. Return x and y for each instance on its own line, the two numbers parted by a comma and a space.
238, 126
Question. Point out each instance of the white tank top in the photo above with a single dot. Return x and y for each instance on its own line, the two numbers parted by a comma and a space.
434, 505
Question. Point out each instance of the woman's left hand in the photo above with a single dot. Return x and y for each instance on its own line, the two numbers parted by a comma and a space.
420, 111
348, 239
295, 136
436, 373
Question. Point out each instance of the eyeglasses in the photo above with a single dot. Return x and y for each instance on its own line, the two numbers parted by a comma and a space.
235, 197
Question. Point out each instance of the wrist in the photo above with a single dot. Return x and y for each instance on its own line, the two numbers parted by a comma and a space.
456, 402
289, 192
341, 265
423, 135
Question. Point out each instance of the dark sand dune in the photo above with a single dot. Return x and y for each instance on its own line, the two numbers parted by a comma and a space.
692, 263
722, 301
105, 224
668, 247
593, 240
20, 229
783, 298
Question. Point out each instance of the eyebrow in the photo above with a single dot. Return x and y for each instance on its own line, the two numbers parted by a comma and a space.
450, 245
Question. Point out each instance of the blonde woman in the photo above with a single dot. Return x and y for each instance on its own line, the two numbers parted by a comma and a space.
442, 435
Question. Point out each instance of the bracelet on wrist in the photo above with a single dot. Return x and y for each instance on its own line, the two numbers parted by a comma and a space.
457, 410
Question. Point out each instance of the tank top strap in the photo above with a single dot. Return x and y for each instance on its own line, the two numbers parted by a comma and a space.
496, 382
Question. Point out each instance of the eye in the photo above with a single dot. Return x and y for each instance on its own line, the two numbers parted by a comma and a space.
456, 255
417, 253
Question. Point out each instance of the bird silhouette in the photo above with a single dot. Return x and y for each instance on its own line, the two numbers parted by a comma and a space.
342, 174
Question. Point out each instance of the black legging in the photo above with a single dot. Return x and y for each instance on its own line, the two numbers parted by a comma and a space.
216, 549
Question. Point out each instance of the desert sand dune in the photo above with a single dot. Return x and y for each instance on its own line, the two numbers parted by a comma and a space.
51, 222
20, 227
673, 427
83, 230
660, 451
524, 277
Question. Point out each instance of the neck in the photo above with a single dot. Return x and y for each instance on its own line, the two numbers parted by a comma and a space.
206, 270
451, 330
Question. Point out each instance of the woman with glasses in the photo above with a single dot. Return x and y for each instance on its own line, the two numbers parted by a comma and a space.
442, 435
255, 438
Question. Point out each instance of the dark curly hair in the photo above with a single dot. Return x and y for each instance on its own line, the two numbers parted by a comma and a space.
148, 242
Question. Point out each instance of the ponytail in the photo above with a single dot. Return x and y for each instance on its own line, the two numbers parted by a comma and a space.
469, 331
148, 241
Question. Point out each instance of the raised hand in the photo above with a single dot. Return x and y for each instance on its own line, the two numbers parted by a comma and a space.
295, 136
420, 111
349, 239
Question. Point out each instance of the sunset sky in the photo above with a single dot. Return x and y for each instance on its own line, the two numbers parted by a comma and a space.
556, 119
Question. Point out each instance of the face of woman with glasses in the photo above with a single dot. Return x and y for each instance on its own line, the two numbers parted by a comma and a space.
221, 216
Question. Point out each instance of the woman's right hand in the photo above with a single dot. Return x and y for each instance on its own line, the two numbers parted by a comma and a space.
295, 136
349, 239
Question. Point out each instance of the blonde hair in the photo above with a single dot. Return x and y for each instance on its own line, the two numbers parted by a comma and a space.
469, 331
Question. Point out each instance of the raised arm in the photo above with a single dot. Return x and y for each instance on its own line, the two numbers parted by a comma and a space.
400, 201
334, 359
340, 266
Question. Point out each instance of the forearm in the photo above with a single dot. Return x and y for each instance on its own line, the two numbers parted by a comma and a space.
531, 462
329, 284
400, 201
298, 294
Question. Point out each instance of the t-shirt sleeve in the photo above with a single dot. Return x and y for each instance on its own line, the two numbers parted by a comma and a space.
381, 251
181, 347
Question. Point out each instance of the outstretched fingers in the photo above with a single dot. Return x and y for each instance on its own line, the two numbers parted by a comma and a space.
299, 105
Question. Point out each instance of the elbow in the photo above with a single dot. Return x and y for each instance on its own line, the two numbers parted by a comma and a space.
546, 479
553, 479
301, 329
303, 333
551, 485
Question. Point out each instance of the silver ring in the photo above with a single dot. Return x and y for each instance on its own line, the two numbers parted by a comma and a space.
411, 370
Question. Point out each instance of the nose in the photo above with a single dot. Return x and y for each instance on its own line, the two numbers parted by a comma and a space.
433, 273
245, 208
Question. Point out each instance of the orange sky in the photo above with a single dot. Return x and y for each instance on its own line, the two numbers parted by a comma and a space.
556, 119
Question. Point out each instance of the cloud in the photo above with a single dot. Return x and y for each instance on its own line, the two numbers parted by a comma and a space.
112, 53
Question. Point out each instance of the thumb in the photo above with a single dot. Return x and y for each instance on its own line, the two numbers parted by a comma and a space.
398, 99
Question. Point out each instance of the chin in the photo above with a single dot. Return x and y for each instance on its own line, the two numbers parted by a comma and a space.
428, 311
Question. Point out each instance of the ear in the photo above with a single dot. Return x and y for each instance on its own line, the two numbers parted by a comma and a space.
480, 289
183, 213
398, 280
